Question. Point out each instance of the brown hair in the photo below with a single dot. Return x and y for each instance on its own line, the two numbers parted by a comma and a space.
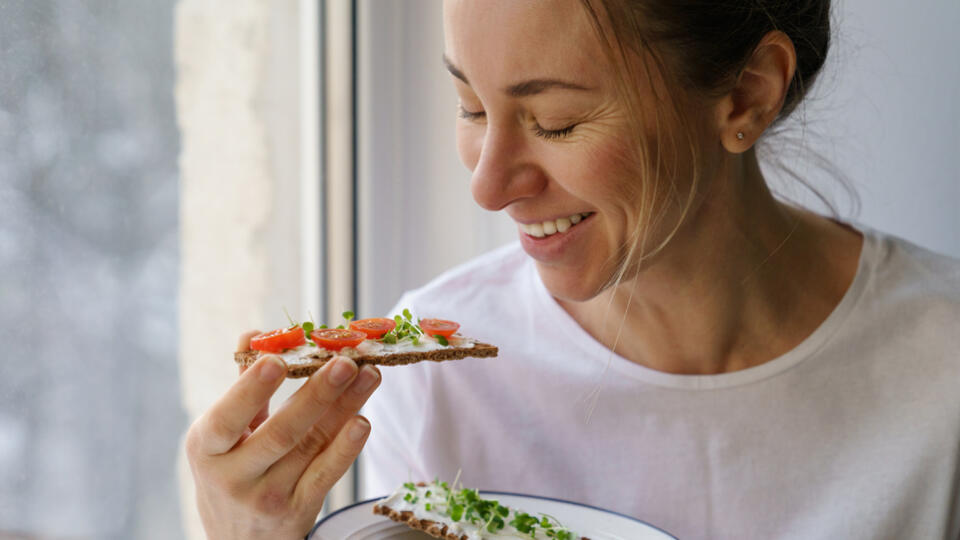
699, 49
706, 43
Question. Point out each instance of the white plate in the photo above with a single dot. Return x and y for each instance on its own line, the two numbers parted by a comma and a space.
358, 522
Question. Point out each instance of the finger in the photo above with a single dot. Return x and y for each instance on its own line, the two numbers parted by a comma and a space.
224, 423
291, 466
243, 343
287, 426
262, 414
332, 463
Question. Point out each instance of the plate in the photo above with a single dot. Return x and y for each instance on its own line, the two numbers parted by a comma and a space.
358, 522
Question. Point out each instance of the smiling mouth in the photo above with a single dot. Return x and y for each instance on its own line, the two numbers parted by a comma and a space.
552, 227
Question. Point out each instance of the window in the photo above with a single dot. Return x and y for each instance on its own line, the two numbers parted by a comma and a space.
90, 405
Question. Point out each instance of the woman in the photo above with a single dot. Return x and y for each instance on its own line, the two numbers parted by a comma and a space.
676, 344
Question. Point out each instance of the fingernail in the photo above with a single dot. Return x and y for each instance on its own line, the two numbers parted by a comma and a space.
365, 381
272, 369
343, 368
359, 430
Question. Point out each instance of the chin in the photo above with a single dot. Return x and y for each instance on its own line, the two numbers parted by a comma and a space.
570, 284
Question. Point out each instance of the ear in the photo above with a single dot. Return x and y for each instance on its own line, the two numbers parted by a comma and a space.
756, 99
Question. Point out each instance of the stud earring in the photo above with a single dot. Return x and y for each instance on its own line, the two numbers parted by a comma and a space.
739, 135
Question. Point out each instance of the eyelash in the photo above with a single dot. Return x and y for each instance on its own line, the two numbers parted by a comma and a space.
547, 134
553, 134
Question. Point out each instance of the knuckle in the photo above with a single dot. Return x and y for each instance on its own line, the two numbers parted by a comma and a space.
272, 501
315, 439
318, 395
344, 410
202, 435
280, 439
322, 482
192, 442
215, 428
346, 453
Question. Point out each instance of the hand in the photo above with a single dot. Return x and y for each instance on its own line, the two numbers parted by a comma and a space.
263, 476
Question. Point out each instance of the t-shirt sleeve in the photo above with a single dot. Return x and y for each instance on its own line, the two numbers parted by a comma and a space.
395, 411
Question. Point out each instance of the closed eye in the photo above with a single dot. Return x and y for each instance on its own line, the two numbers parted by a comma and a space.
553, 134
470, 115
539, 131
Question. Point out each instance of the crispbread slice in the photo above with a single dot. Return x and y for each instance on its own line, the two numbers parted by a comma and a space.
437, 530
314, 361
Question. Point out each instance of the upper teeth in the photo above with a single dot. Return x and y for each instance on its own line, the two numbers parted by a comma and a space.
539, 230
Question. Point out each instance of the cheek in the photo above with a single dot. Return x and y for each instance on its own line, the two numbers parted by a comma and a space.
469, 144
605, 174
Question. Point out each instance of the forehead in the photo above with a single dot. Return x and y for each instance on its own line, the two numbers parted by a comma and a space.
503, 41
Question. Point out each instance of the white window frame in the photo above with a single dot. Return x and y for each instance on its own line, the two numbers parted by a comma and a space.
328, 177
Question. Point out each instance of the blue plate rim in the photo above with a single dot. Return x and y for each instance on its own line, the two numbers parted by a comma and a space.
484, 492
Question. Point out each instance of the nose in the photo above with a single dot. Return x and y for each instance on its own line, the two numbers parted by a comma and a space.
504, 171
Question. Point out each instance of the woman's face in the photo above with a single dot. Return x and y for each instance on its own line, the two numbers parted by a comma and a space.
545, 134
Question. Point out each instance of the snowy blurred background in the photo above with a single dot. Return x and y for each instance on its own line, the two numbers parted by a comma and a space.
90, 411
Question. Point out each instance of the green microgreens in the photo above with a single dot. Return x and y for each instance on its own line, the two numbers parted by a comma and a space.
407, 329
347, 316
309, 326
489, 515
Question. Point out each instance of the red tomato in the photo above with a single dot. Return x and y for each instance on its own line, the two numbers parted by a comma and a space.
279, 340
335, 339
374, 328
434, 327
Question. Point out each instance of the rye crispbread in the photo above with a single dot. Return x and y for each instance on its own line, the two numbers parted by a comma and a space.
437, 530
315, 360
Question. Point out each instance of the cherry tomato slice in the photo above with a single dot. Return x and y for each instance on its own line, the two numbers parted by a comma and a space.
279, 340
434, 327
335, 339
374, 328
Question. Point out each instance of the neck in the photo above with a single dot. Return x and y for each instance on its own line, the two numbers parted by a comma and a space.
734, 297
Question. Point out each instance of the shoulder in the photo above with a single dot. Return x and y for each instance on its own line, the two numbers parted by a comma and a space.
908, 304
899, 344
905, 273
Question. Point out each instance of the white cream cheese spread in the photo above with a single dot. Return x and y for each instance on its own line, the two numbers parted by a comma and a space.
308, 354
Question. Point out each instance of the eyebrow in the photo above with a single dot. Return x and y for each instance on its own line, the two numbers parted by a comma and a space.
523, 89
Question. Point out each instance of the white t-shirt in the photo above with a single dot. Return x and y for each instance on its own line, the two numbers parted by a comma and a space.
853, 434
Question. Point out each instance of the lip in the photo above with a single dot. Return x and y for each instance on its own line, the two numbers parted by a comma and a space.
555, 247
